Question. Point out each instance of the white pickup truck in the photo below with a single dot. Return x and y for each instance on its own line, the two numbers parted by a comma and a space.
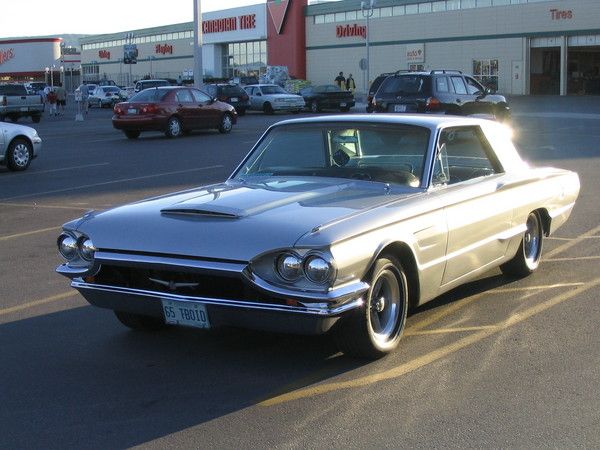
15, 102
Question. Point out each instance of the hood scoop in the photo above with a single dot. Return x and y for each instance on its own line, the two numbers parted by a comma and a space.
198, 210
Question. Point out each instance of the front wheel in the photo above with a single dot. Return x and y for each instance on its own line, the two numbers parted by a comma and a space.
36, 118
268, 109
226, 124
139, 322
376, 329
314, 107
20, 152
174, 128
527, 259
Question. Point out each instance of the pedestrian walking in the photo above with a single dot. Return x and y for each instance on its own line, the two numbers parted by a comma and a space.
61, 97
350, 84
52, 99
340, 80
85, 93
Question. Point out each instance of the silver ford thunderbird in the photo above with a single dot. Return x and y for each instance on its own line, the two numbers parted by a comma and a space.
331, 224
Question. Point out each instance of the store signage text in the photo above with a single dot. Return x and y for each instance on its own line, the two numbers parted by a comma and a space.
104, 54
6, 55
163, 49
558, 14
415, 53
351, 30
245, 22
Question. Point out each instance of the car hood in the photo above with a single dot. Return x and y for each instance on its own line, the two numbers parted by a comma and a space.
14, 128
233, 220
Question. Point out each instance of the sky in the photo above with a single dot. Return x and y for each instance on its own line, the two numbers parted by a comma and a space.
19, 18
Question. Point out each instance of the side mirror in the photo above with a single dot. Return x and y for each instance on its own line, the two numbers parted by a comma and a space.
258, 94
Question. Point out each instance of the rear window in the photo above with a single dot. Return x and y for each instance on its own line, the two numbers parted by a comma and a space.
150, 95
406, 84
13, 89
375, 85
232, 91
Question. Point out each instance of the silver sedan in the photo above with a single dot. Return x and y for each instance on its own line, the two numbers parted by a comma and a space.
19, 145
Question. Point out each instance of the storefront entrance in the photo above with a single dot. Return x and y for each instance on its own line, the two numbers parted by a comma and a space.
583, 71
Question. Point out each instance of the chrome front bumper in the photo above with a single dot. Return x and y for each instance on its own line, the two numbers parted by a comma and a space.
301, 312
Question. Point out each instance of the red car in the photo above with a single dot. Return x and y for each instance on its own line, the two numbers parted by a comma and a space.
174, 110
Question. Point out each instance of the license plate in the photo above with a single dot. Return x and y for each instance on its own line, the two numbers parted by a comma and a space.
399, 108
342, 105
234, 99
24, 108
185, 313
132, 111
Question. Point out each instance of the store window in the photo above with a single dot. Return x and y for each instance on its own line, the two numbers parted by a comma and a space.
245, 58
486, 72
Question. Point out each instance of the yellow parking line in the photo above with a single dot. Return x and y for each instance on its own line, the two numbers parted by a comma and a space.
27, 233
449, 330
43, 301
433, 356
37, 205
568, 245
575, 258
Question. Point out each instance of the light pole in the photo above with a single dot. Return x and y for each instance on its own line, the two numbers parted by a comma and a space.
47, 70
62, 76
367, 12
198, 70
129, 39
152, 58
52, 75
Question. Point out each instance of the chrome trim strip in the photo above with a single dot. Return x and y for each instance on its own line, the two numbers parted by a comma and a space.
317, 310
127, 259
348, 290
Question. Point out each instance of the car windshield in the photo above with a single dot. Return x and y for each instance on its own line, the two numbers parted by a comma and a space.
111, 89
272, 90
149, 95
405, 84
373, 152
151, 84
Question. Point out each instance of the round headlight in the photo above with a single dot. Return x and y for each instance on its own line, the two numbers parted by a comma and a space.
67, 247
289, 267
317, 269
87, 250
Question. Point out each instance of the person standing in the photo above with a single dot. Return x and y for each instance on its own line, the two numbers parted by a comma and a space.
61, 97
85, 93
350, 84
340, 81
51, 97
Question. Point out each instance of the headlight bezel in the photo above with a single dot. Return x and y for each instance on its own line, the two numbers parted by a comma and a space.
78, 256
267, 267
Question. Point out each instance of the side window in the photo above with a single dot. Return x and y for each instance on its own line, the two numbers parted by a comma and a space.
200, 97
473, 87
459, 85
183, 96
463, 154
442, 84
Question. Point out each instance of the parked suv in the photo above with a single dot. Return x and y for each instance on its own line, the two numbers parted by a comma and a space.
145, 84
374, 87
438, 91
230, 93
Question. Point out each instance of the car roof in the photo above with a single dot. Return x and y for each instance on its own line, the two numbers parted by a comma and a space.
431, 121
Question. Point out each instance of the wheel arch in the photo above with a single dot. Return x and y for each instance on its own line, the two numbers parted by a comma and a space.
14, 138
403, 252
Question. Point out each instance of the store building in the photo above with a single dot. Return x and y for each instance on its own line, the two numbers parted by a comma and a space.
514, 46
30, 59
236, 41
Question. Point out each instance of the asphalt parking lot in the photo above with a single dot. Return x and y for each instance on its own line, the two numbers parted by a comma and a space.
496, 363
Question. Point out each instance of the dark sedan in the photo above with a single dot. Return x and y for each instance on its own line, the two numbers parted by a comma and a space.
174, 110
328, 96
230, 93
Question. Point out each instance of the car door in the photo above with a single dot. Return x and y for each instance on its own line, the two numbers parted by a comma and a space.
468, 178
206, 111
462, 99
481, 103
256, 98
186, 108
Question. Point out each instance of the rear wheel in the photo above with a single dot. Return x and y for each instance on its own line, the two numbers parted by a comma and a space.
132, 134
139, 322
19, 154
314, 107
174, 128
226, 123
375, 330
529, 254
267, 108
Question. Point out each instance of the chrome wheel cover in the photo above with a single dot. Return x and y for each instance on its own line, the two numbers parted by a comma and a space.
21, 155
226, 123
532, 240
174, 127
385, 306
